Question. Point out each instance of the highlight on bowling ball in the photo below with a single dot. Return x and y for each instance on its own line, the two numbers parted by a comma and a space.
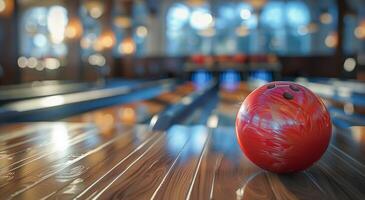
283, 127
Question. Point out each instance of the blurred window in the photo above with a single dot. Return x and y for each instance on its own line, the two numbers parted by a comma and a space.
179, 35
354, 32
42, 32
290, 28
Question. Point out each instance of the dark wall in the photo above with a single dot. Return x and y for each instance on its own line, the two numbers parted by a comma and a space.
9, 74
324, 66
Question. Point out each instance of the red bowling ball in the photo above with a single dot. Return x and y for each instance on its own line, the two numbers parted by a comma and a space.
283, 127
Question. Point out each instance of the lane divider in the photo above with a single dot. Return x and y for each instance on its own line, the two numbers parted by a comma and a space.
182, 109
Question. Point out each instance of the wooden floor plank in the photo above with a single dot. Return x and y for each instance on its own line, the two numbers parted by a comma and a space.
205, 178
236, 177
41, 143
53, 153
25, 131
54, 160
133, 113
186, 162
68, 182
144, 171
12, 131
351, 143
341, 172
179, 183
233, 169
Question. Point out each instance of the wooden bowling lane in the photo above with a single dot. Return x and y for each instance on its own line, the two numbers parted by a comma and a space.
82, 161
50, 161
347, 106
60, 106
341, 171
33, 146
185, 162
236, 94
31, 141
344, 99
41, 89
132, 113
28, 149
125, 161
228, 104
163, 171
221, 106
350, 141
201, 113
226, 174
345, 114
182, 110
343, 95
341, 151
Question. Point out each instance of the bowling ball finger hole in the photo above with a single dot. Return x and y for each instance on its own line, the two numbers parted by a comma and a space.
294, 88
288, 96
271, 86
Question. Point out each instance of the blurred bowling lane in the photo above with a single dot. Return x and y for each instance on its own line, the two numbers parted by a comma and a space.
345, 100
220, 108
106, 119
47, 153
185, 162
230, 102
34, 144
48, 88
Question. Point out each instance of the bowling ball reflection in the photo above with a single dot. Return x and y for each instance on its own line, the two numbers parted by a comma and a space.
265, 185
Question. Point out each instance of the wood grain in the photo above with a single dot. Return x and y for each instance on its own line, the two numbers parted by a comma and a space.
129, 161
191, 162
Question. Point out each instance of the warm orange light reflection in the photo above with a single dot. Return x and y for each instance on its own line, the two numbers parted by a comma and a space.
358, 134
104, 121
242, 31
107, 39
208, 32
98, 46
6, 8
360, 30
326, 18
127, 115
195, 2
331, 40
127, 46
74, 28
257, 4
94, 8
122, 22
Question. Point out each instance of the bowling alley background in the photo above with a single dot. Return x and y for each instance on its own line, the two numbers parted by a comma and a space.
91, 39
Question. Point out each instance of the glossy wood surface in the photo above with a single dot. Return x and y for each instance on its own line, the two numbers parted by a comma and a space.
81, 161
59, 160
133, 113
